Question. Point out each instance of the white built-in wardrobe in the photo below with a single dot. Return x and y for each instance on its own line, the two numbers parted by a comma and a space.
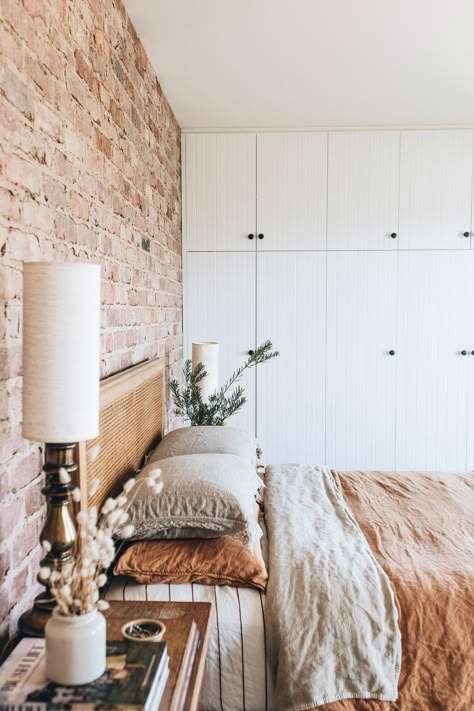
353, 252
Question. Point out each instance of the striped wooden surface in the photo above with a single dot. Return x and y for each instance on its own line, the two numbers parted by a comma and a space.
238, 674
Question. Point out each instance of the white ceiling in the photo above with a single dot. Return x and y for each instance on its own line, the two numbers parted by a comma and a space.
311, 63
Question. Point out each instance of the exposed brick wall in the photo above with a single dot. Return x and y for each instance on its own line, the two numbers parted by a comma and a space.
89, 171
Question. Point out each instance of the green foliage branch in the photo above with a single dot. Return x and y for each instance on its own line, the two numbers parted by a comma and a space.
223, 402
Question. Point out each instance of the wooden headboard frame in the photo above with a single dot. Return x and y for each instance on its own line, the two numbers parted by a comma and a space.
131, 423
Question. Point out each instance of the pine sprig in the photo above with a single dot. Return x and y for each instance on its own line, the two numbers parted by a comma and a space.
220, 405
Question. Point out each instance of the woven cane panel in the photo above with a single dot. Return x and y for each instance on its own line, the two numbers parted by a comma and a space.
130, 425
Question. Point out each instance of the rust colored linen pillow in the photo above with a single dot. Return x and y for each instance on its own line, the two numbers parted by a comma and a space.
212, 561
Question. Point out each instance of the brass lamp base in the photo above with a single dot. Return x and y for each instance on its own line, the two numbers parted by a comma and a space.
58, 530
33, 621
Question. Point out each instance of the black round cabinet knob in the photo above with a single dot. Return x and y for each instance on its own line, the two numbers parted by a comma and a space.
472, 352
467, 234
392, 352
251, 353
393, 235
463, 352
251, 236
261, 235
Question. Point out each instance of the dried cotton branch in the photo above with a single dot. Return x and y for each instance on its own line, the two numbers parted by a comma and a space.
76, 586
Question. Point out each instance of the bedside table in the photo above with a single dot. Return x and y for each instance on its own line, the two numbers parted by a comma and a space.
170, 613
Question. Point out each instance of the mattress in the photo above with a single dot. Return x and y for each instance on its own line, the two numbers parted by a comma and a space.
238, 675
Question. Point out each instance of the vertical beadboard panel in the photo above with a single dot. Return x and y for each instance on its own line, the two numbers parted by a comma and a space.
361, 375
291, 190
220, 182
434, 326
220, 306
470, 348
363, 185
291, 312
435, 189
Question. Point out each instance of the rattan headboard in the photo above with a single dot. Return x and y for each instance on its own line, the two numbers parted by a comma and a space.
132, 421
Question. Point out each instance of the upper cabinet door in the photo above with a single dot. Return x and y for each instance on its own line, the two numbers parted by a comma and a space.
435, 189
291, 191
220, 192
363, 185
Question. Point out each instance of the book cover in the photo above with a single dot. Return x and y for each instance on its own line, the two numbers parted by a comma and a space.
133, 679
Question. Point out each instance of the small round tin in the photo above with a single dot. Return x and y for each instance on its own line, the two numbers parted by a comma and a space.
144, 630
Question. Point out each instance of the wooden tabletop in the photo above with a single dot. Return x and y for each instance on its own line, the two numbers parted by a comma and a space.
171, 614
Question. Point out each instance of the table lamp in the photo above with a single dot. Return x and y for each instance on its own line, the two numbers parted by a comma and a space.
61, 364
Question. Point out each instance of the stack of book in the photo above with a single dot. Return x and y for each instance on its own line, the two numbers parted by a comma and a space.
135, 678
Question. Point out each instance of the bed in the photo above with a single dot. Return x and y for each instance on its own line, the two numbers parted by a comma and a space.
420, 531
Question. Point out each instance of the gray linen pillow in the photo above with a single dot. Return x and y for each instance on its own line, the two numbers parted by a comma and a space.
203, 496
209, 439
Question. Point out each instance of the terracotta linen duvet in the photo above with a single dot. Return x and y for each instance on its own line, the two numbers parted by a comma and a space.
420, 527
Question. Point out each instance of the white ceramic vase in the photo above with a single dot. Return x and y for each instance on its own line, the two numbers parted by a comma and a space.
75, 647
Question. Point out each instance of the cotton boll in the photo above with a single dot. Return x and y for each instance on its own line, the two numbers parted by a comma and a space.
109, 506
44, 573
128, 531
76, 495
94, 487
46, 545
94, 452
129, 485
103, 605
64, 476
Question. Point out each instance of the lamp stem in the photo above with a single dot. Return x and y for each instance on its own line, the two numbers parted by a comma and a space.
59, 530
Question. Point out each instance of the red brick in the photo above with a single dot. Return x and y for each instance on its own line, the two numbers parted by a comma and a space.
23, 172
48, 121
5, 562
103, 144
24, 470
54, 192
10, 516
66, 228
37, 215
10, 47
78, 205
23, 246
34, 499
36, 8
9, 204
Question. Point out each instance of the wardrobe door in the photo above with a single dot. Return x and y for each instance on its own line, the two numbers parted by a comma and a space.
220, 306
219, 191
361, 358
291, 312
363, 184
435, 339
291, 191
435, 189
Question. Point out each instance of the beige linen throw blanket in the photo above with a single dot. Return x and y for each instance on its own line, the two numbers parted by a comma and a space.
332, 620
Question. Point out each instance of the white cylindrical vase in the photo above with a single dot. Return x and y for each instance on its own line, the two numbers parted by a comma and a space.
75, 647
208, 355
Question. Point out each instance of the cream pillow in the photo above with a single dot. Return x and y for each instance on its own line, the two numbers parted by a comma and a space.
203, 496
209, 439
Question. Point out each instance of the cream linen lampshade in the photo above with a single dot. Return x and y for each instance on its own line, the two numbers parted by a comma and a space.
208, 354
61, 351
